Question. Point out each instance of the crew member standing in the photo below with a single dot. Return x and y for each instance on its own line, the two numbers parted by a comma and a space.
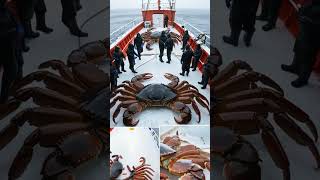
69, 13
8, 48
169, 45
118, 59
306, 45
130, 54
197, 56
162, 41
273, 12
185, 39
186, 60
242, 16
40, 11
138, 43
26, 11
166, 21
113, 76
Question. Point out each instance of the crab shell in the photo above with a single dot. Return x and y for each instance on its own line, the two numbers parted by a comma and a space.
183, 166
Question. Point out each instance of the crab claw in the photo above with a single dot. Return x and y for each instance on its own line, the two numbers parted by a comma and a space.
174, 79
130, 112
142, 77
8, 107
185, 113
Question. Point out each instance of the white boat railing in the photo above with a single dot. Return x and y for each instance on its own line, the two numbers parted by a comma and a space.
194, 30
115, 35
154, 6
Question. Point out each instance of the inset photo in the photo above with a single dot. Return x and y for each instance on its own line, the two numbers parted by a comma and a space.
133, 153
185, 152
159, 68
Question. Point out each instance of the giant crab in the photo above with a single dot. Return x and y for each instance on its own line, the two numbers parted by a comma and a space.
238, 103
152, 36
185, 161
143, 171
71, 116
136, 97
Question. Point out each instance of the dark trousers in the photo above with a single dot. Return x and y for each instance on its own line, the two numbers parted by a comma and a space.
169, 51
195, 63
161, 51
273, 11
69, 10
9, 63
184, 44
303, 64
131, 66
205, 79
40, 7
185, 69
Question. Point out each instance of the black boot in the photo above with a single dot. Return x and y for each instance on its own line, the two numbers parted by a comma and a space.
268, 27
247, 38
200, 82
29, 33
262, 18
182, 74
289, 69
161, 59
41, 24
299, 83
74, 28
233, 39
25, 48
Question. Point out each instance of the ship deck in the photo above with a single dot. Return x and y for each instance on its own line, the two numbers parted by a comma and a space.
268, 52
149, 63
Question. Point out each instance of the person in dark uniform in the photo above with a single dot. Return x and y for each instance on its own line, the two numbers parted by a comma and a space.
211, 68
138, 43
242, 17
264, 10
306, 45
197, 55
8, 33
113, 76
40, 11
130, 54
273, 7
169, 45
69, 13
162, 41
186, 60
166, 21
118, 57
26, 12
185, 39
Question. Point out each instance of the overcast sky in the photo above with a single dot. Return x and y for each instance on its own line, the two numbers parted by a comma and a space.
136, 4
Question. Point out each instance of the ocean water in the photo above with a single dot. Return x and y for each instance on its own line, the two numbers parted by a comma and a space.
199, 18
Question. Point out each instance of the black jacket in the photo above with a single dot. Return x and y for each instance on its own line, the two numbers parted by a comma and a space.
118, 57
130, 54
162, 41
186, 37
187, 57
138, 42
197, 54
169, 44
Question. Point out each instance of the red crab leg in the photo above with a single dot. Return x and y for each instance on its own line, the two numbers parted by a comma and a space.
174, 80
183, 110
52, 82
121, 98
128, 88
130, 112
231, 70
60, 66
124, 92
39, 116
46, 97
296, 133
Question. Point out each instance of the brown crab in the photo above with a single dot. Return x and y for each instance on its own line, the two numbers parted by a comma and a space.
142, 171
136, 97
151, 37
186, 161
240, 104
71, 116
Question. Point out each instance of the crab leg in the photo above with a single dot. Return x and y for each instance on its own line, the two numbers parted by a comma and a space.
128, 88
8, 107
121, 98
46, 97
288, 125
39, 116
231, 70
262, 105
275, 148
52, 82
61, 67
245, 81
47, 136
124, 92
